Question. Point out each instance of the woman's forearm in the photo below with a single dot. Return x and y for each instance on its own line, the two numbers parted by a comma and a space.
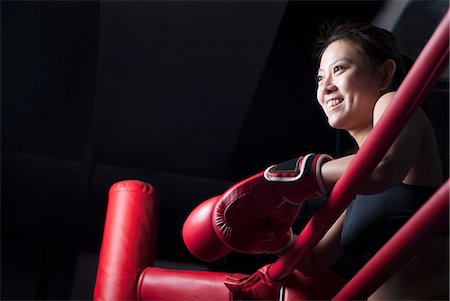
326, 253
333, 170
382, 178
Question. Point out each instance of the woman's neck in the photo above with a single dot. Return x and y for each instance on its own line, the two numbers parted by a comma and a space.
360, 135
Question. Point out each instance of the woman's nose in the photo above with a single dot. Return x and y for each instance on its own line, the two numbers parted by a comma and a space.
328, 87
326, 84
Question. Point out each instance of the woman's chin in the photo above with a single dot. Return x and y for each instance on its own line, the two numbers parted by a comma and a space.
335, 124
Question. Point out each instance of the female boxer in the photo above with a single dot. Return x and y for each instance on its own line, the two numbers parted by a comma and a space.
360, 68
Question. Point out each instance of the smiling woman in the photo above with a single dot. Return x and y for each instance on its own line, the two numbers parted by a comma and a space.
348, 88
359, 70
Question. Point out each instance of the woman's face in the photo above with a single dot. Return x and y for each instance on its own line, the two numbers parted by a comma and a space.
347, 87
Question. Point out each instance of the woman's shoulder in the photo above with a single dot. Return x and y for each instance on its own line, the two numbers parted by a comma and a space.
381, 105
383, 102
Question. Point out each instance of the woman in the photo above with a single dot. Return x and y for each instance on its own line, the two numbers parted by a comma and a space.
360, 69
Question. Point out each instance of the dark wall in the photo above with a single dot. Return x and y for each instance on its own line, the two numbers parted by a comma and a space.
188, 96
49, 56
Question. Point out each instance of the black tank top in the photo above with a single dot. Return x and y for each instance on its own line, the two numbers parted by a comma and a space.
371, 220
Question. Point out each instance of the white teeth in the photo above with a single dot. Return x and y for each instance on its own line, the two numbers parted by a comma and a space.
334, 102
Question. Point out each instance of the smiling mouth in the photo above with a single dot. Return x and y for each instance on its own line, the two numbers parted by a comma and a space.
334, 102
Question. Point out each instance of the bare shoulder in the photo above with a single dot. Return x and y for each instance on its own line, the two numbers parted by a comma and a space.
418, 119
381, 105
415, 147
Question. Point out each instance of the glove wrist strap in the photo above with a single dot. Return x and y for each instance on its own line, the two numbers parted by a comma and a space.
295, 169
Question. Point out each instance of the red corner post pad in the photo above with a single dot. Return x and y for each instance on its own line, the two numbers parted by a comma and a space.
164, 284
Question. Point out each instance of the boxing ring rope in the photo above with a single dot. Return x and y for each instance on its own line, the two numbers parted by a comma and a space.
423, 74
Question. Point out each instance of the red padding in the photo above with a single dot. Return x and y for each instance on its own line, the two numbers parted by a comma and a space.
128, 244
162, 284
431, 219
168, 285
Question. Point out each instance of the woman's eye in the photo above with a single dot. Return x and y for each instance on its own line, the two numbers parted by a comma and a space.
318, 78
338, 68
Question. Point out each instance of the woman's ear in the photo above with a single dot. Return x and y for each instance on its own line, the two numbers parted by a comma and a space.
387, 71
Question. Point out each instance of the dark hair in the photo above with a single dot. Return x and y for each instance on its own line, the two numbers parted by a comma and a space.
376, 43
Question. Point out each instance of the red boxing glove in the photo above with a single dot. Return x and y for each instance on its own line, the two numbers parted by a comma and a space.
255, 215
199, 236
257, 286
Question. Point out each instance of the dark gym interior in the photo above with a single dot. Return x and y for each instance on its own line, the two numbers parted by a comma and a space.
189, 96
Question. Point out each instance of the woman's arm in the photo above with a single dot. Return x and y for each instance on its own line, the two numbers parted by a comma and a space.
404, 152
327, 251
